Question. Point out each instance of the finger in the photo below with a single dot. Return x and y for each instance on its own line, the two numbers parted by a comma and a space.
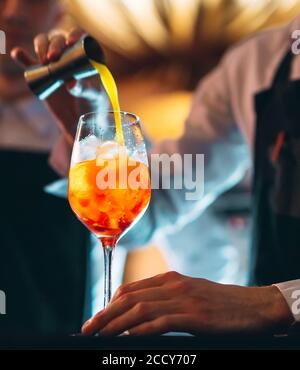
41, 44
22, 58
122, 305
74, 36
138, 315
152, 282
56, 47
161, 325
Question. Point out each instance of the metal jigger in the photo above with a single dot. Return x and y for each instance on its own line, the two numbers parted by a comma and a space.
44, 80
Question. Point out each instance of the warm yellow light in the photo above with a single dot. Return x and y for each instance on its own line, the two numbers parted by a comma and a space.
140, 27
150, 28
105, 20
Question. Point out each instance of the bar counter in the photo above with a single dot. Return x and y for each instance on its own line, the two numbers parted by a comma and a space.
150, 343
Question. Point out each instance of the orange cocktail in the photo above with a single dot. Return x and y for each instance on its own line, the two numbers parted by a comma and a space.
101, 198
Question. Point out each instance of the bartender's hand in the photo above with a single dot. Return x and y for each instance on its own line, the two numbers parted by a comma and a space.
172, 302
63, 105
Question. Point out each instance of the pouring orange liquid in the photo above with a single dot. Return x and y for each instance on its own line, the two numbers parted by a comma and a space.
111, 89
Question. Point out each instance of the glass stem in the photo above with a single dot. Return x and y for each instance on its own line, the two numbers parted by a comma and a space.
108, 245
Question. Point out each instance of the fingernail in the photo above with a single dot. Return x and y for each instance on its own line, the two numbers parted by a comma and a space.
125, 333
52, 55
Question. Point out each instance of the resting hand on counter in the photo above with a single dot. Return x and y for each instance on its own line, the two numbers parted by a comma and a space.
172, 302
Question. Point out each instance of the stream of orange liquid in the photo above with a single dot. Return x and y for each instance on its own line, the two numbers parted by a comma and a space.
110, 86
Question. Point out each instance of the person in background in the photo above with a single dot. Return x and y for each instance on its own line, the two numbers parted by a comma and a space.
43, 248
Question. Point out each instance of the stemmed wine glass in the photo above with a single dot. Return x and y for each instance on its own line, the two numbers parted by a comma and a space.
109, 182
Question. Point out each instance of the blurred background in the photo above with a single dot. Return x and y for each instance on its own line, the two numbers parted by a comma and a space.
159, 50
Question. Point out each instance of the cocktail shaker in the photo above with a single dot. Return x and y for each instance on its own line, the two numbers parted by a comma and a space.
44, 80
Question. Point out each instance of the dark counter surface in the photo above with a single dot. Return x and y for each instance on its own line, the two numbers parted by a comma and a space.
150, 343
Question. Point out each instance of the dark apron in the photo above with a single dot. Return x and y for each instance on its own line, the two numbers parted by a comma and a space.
276, 237
43, 250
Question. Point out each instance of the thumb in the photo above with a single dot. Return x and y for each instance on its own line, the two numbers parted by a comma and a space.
22, 58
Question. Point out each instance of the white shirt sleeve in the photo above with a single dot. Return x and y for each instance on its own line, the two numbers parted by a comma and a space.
291, 292
210, 130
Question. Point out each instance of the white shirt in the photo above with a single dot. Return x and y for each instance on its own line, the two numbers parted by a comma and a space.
27, 125
243, 72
